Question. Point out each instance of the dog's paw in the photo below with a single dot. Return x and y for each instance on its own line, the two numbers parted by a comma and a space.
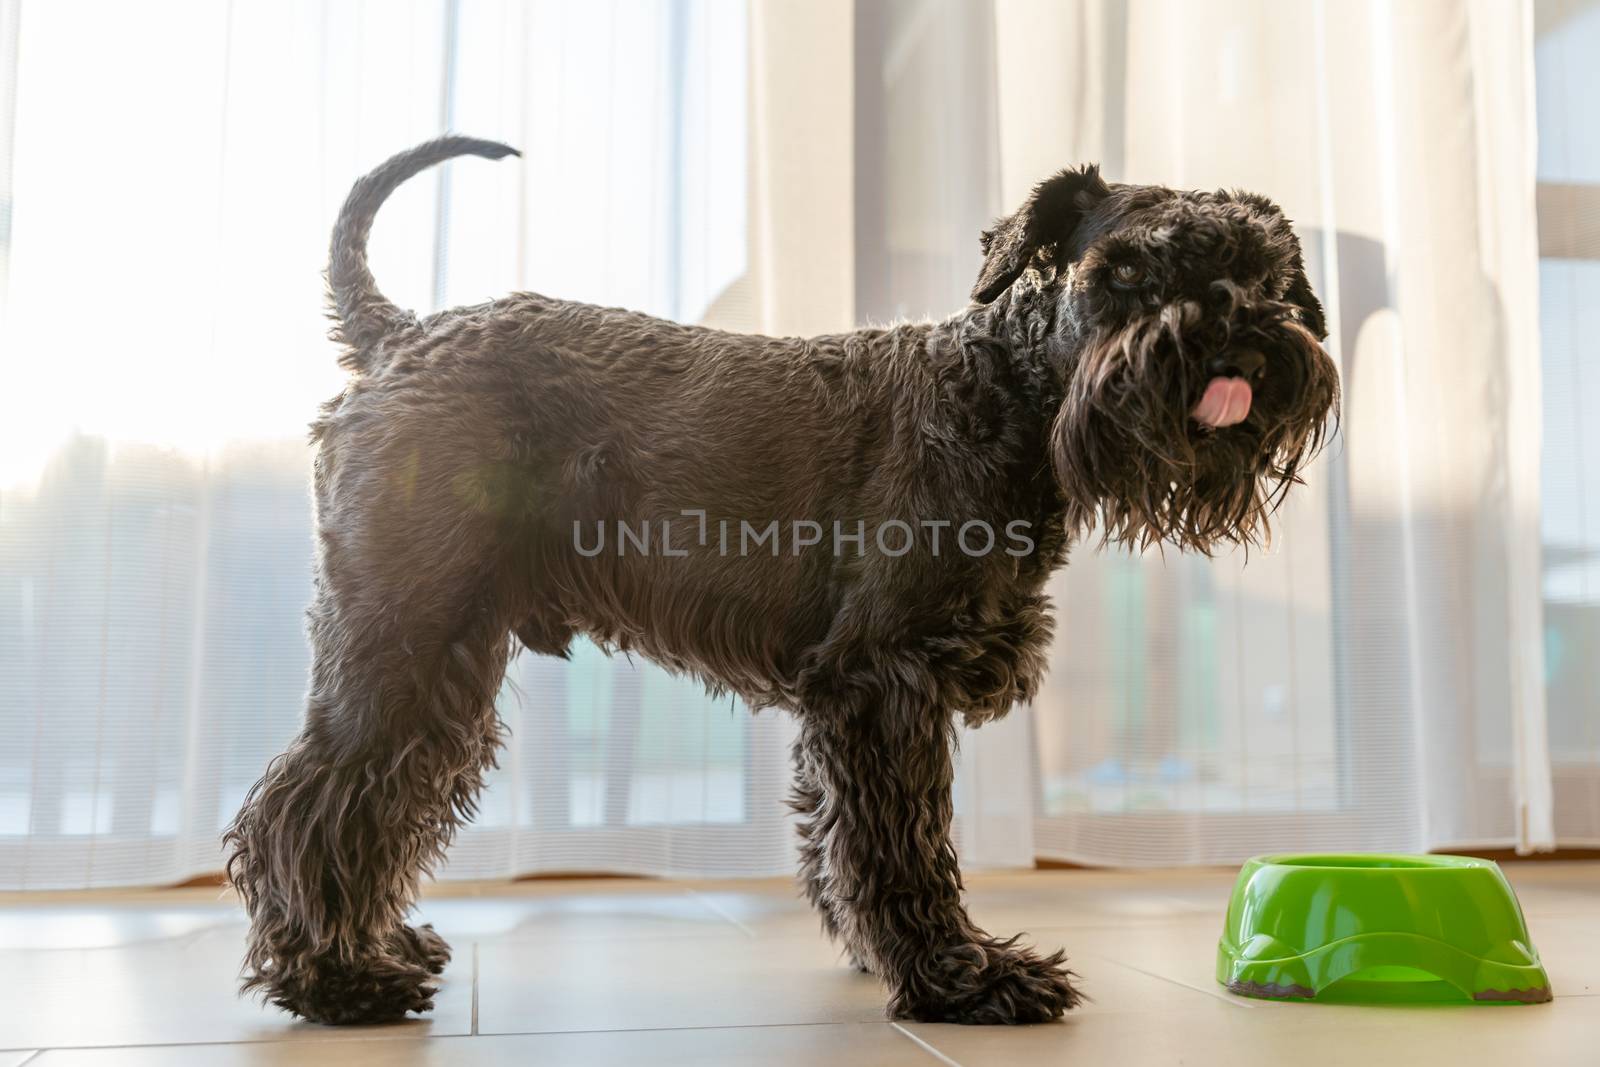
421, 944
377, 989
987, 983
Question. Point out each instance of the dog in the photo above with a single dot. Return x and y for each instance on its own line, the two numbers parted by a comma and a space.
1134, 359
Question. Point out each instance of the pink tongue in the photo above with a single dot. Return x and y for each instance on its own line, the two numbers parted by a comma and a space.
1226, 403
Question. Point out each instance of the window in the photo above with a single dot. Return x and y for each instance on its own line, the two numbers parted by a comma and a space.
1568, 84
173, 179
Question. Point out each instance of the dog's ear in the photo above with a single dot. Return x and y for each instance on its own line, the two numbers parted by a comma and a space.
1052, 212
1301, 296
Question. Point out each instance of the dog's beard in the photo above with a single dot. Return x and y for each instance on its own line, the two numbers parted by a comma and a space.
1128, 451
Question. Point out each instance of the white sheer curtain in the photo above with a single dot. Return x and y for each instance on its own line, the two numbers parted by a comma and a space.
1374, 680
172, 177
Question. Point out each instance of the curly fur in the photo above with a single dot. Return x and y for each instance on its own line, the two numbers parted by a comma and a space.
453, 466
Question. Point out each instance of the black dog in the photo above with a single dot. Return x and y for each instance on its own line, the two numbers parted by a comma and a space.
1140, 357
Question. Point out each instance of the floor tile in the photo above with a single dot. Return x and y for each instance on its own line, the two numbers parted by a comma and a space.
1003, 903
761, 908
524, 987
179, 991
99, 926
1085, 898
600, 913
862, 1045
1087, 1038
17, 1058
1569, 947
1114, 988
1553, 888
1303, 1035
652, 983
1182, 952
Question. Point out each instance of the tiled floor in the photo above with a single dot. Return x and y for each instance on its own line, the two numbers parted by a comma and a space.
623, 972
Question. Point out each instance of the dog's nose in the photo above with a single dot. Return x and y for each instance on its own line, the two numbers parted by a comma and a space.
1244, 363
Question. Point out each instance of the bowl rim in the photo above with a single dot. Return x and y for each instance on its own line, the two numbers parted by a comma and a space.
1390, 863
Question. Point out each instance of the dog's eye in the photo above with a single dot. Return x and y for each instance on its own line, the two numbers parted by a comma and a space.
1127, 275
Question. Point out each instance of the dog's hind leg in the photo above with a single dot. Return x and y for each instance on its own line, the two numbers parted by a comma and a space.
332, 842
888, 876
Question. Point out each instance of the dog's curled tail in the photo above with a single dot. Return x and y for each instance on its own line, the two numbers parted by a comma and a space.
363, 314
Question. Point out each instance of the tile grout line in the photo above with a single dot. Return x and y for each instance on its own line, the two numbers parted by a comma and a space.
208, 1042
712, 906
425, 1038
929, 1049
474, 1030
377, 1037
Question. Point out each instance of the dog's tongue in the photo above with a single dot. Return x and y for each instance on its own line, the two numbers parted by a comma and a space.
1226, 403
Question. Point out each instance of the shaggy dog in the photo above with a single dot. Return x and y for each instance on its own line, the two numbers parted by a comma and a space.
1135, 357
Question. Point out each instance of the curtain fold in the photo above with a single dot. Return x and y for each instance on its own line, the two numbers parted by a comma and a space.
1502, 50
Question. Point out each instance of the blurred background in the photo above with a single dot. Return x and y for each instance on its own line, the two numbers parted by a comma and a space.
1411, 664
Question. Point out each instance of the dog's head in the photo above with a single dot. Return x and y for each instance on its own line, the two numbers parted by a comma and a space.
1188, 343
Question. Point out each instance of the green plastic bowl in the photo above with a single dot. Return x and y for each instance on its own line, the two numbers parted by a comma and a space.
1372, 928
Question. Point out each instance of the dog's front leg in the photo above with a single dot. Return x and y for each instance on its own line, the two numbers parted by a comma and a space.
889, 879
